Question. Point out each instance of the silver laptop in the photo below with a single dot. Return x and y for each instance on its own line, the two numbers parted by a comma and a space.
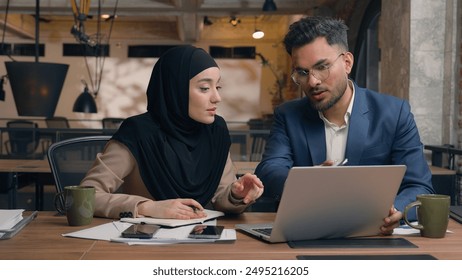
323, 202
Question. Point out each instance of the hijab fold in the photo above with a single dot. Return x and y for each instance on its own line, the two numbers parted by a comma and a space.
177, 156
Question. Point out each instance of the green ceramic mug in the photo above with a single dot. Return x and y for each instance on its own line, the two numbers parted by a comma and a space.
432, 214
79, 204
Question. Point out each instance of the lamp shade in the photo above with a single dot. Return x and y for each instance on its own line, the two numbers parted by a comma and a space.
85, 103
269, 6
36, 86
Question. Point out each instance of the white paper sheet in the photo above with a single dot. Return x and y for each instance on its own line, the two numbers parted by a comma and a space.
102, 232
9, 218
407, 230
112, 232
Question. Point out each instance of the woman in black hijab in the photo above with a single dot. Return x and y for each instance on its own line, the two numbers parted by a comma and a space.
174, 159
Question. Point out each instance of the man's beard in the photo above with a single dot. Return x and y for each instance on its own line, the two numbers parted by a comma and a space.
337, 94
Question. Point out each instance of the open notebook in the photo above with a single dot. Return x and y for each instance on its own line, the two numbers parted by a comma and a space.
211, 214
332, 202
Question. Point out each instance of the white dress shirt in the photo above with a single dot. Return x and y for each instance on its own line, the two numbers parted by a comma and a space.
336, 136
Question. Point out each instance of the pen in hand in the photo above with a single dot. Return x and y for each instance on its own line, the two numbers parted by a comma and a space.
343, 162
198, 210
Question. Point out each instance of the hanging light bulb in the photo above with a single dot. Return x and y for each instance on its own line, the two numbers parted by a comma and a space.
234, 21
257, 34
207, 21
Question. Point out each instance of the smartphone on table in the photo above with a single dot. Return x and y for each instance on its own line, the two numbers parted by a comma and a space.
142, 231
206, 232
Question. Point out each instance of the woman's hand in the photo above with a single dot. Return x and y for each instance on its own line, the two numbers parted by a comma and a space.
181, 208
248, 188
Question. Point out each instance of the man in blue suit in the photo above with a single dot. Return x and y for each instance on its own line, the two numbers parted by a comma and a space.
337, 119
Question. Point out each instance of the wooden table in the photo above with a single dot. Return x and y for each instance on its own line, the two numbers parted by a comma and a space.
443, 178
14, 167
25, 165
42, 239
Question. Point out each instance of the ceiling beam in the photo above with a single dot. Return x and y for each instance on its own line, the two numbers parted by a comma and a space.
189, 28
17, 26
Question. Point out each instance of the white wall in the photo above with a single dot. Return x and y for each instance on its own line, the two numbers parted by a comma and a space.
125, 80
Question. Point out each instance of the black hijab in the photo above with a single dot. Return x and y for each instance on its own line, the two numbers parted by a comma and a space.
177, 156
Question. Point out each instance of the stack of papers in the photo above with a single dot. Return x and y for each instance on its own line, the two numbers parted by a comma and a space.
9, 218
12, 221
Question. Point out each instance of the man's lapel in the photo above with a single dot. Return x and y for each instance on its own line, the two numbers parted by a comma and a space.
358, 128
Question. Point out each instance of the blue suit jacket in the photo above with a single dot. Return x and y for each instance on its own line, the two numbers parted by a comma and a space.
382, 131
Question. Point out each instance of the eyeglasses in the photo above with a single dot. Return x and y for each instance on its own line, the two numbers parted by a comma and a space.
320, 72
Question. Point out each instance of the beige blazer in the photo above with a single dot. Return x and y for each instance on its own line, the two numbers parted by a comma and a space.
119, 187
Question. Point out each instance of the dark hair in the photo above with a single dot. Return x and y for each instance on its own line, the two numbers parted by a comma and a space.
307, 29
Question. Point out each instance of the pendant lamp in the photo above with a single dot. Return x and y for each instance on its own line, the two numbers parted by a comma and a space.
85, 103
257, 34
36, 86
269, 6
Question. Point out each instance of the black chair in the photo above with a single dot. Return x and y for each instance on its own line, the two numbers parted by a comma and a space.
23, 140
258, 146
52, 136
71, 159
57, 122
112, 123
259, 132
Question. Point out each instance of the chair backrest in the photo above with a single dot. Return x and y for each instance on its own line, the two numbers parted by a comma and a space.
57, 122
71, 159
112, 123
259, 132
23, 138
258, 146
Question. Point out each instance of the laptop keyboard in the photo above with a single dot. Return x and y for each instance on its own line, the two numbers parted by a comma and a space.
265, 231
